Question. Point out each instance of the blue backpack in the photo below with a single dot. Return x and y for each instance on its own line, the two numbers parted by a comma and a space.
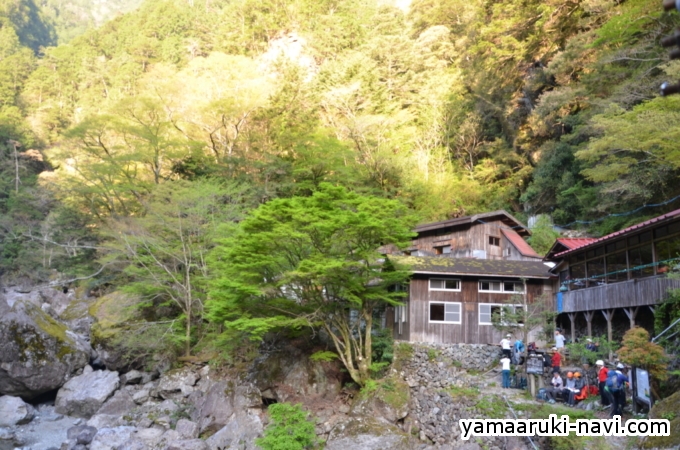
612, 383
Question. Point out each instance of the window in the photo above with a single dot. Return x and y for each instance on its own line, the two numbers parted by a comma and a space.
444, 285
488, 310
641, 257
617, 266
501, 286
494, 240
446, 312
442, 250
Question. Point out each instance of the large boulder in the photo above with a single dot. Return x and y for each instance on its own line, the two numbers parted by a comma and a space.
84, 395
37, 352
291, 376
368, 433
240, 432
13, 411
221, 402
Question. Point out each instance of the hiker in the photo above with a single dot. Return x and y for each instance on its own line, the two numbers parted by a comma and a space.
614, 386
602, 378
517, 351
505, 363
556, 389
556, 360
575, 389
505, 345
559, 339
621, 370
591, 346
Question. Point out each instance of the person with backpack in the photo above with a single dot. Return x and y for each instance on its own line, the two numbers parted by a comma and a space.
614, 386
517, 351
602, 379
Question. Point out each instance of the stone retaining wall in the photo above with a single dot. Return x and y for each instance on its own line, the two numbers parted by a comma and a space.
478, 357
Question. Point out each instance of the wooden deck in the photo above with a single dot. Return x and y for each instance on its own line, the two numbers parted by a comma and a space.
626, 294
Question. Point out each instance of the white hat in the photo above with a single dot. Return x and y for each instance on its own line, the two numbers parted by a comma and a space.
599, 362
589, 340
554, 349
620, 366
508, 335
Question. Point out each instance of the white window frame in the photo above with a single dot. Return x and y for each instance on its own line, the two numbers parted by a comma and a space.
500, 305
429, 284
460, 313
502, 283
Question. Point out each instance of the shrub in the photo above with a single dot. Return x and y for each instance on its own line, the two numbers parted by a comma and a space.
289, 429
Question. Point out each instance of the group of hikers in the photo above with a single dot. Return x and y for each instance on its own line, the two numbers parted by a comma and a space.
611, 383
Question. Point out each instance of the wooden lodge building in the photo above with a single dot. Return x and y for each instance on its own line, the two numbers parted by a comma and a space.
463, 270
617, 278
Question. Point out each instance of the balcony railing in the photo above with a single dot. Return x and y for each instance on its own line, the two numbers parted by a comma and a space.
631, 293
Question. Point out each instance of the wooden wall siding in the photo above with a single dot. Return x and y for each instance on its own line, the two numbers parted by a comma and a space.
638, 292
469, 331
465, 240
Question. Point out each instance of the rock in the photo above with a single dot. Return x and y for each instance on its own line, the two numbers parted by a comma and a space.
118, 405
37, 352
187, 429
164, 421
82, 434
140, 397
387, 404
188, 444
176, 382
213, 409
111, 438
367, 433
100, 421
168, 406
83, 395
6, 434
132, 377
149, 434
292, 376
13, 411
87, 369
243, 427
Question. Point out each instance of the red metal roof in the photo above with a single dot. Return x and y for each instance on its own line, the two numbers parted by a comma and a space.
521, 245
623, 232
572, 243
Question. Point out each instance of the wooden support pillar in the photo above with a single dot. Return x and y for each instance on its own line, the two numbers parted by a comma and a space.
572, 319
609, 315
652, 308
631, 313
589, 319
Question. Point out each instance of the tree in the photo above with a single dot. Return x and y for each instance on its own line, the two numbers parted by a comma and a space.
165, 251
313, 261
519, 316
638, 351
543, 235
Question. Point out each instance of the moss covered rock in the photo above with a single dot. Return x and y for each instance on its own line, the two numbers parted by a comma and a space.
37, 352
387, 401
668, 408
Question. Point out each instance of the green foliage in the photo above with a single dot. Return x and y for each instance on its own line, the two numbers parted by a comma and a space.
324, 356
580, 355
310, 261
289, 429
542, 235
638, 351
